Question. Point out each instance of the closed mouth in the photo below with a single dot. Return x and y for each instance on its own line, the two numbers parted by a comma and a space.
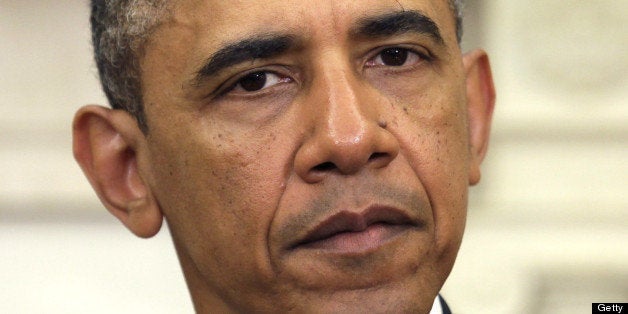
352, 232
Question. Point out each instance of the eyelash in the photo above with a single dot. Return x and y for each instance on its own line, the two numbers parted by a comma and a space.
422, 56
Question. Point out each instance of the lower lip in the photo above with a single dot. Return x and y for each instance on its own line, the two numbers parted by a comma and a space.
369, 239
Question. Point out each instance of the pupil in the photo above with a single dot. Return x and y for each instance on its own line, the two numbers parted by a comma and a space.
394, 56
253, 82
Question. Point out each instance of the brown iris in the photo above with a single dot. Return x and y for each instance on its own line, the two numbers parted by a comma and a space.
394, 56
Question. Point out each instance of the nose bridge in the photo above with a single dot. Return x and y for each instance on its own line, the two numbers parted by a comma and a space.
344, 115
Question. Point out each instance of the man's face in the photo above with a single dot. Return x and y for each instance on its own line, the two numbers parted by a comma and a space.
309, 154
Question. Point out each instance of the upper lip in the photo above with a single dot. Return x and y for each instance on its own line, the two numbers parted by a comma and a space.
348, 221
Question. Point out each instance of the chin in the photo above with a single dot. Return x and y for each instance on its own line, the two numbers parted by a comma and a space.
399, 297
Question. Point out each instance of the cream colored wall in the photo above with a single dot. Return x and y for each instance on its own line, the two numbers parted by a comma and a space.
547, 227
60, 252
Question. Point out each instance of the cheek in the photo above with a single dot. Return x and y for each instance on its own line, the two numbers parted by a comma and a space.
219, 195
435, 141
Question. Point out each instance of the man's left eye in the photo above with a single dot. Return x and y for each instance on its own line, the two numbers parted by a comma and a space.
396, 57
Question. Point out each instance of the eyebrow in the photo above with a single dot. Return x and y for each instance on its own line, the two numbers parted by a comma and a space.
397, 23
254, 47
272, 45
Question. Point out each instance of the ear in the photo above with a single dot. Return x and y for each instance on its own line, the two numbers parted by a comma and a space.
480, 104
107, 145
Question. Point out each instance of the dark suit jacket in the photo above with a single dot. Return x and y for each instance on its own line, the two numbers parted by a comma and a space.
444, 305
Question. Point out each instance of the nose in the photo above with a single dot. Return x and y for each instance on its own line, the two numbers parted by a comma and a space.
348, 130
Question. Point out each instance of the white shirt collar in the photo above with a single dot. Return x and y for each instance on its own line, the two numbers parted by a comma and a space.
436, 308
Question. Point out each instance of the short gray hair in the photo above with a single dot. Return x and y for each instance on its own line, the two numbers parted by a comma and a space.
120, 28
457, 8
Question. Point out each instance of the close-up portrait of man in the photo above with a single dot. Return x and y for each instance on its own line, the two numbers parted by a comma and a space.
306, 156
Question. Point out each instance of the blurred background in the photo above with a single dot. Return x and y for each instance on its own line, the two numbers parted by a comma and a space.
547, 230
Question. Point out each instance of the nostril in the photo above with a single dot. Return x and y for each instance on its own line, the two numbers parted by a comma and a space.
378, 160
326, 166
376, 156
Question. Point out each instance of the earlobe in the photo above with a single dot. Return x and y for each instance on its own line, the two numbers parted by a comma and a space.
107, 145
480, 105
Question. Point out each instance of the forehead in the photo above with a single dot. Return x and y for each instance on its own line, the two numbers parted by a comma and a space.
224, 20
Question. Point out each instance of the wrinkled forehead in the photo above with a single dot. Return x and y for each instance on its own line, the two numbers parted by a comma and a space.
232, 19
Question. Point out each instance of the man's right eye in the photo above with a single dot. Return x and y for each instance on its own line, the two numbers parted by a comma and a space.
257, 81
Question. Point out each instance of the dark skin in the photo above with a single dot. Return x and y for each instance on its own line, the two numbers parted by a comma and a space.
354, 117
